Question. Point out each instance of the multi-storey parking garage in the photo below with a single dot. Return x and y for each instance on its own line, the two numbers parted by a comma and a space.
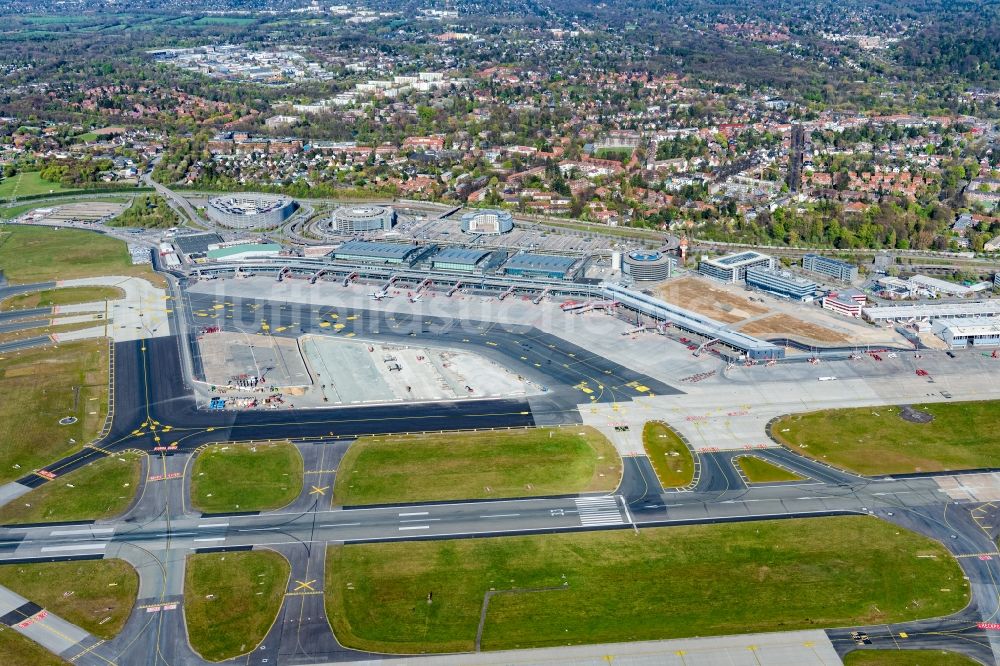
361, 219
250, 211
648, 266
488, 222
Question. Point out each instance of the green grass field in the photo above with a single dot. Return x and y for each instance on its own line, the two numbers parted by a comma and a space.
671, 458
907, 658
62, 296
18, 649
41, 386
241, 477
232, 599
875, 440
102, 489
39, 254
675, 582
758, 470
27, 183
454, 466
96, 595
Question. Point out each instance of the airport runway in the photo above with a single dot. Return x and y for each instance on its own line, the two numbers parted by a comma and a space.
161, 530
156, 412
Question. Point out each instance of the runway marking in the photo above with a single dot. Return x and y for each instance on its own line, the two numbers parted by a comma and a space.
341, 525
318, 490
415, 527
79, 546
982, 556
211, 539
93, 530
414, 513
88, 650
214, 525
599, 510
305, 585
502, 515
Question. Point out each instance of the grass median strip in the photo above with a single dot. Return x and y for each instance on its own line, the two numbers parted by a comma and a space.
878, 440
670, 456
246, 477
476, 465
907, 658
702, 580
40, 387
102, 489
95, 595
758, 470
61, 296
232, 599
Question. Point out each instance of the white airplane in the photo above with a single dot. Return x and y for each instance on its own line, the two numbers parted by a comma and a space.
416, 297
379, 295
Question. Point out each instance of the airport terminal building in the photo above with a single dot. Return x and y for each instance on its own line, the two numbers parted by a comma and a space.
368, 252
550, 266
465, 260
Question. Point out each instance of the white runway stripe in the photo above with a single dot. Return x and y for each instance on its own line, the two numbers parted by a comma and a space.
599, 511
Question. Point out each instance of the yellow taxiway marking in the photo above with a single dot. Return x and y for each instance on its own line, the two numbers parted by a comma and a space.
318, 490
